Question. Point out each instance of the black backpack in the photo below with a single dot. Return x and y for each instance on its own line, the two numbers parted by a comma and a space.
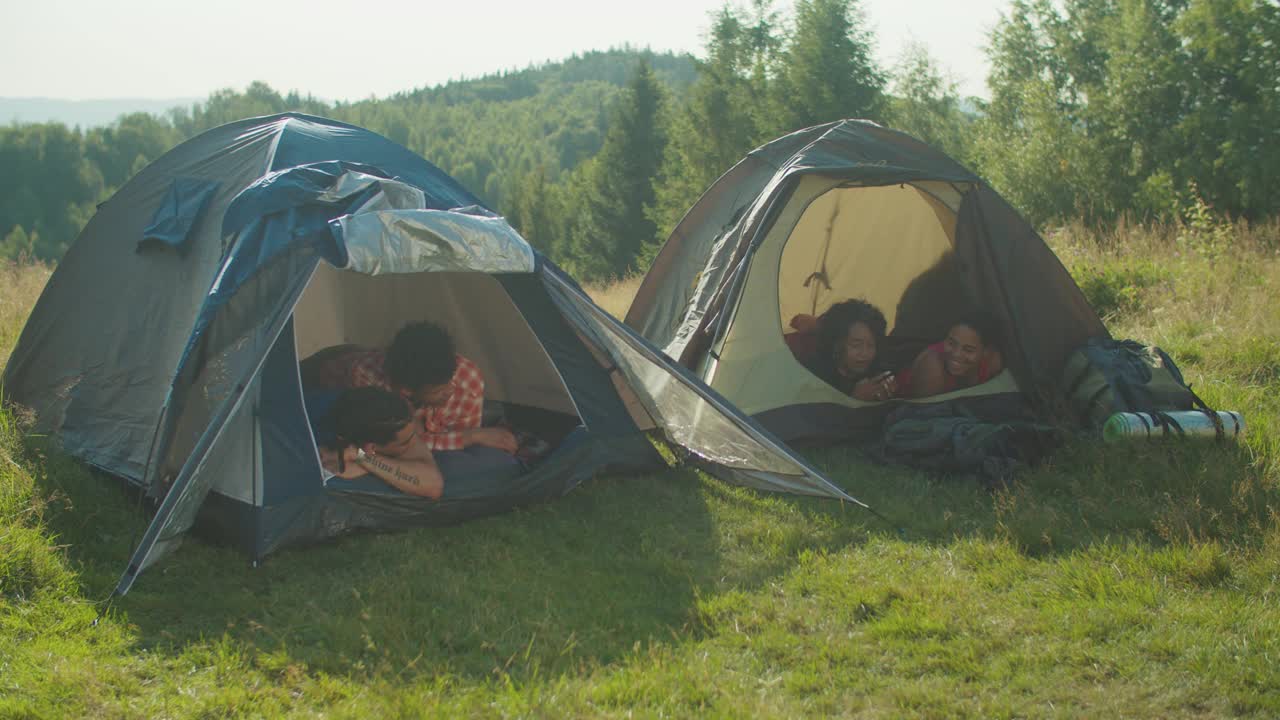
1106, 376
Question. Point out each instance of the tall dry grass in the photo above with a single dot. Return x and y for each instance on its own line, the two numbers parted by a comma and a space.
615, 297
1214, 282
20, 287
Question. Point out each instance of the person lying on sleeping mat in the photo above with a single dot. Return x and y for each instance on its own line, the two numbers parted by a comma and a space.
372, 432
847, 338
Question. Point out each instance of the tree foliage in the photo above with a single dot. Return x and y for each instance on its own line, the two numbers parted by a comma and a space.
727, 112
1101, 107
1097, 108
761, 80
827, 70
490, 133
613, 226
926, 104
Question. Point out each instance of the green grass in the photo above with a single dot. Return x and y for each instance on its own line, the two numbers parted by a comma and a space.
1133, 580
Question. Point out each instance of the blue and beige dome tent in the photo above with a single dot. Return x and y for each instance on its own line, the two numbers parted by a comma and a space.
165, 347
851, 209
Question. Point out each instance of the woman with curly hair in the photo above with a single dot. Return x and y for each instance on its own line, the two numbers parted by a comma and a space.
849, 335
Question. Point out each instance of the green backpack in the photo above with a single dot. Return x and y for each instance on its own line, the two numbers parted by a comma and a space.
1107, 376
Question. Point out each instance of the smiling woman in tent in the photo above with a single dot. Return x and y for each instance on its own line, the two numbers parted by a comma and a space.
969, 355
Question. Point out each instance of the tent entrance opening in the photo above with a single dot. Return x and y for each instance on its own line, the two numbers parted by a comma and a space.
522, 387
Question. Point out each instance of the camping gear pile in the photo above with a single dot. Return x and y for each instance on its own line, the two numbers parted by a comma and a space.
1127, 389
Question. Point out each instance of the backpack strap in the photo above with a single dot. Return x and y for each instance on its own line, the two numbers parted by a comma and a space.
1166, 421
1196, 401
1213, 414
1158, 420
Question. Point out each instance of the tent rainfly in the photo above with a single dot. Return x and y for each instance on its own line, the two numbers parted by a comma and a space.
165, 346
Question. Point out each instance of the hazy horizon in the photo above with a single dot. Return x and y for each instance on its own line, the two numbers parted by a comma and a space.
143, 51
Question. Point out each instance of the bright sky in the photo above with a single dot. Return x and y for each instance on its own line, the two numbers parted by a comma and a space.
350, 50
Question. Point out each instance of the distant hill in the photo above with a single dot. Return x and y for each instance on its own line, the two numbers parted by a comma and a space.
499, 135
495, 133
611, 67
85, 113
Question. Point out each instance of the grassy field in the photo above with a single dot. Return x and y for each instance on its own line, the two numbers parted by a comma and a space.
1120, 581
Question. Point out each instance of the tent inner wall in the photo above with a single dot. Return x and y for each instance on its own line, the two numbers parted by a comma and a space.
868, 242
891, 245
341, 307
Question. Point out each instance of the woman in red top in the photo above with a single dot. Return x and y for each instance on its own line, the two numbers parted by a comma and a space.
968, 356
846, 339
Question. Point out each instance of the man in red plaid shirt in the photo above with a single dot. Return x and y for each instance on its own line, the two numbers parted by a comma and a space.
422, 366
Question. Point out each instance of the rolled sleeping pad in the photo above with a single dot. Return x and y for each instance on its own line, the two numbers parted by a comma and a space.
1193, 423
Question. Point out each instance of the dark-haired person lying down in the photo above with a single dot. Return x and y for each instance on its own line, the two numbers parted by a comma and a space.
369, 432
845, 353
445, 390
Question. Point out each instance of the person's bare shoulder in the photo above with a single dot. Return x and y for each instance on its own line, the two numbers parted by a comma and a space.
995, 363
926, 374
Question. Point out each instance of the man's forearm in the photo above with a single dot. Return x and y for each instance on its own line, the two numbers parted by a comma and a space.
414, 477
